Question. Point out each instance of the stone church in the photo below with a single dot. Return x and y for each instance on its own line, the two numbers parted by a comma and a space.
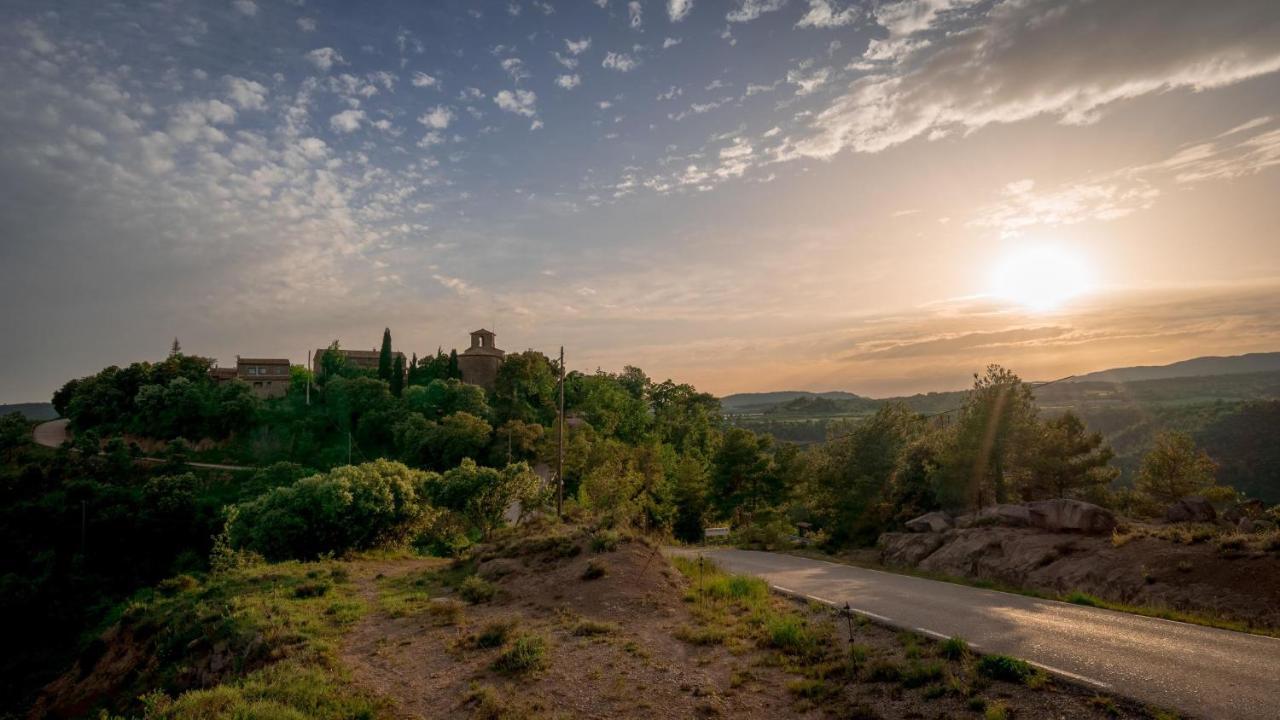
480, 362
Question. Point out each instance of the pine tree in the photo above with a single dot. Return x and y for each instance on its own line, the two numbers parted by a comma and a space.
175, 349
384, 357
397, 376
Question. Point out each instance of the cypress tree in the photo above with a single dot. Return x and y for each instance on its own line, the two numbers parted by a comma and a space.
384, 357
454, 372
397, 376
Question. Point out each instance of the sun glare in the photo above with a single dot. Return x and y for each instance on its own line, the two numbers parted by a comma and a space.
1041, 278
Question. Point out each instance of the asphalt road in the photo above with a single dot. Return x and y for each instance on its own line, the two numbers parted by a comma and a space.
1202, 671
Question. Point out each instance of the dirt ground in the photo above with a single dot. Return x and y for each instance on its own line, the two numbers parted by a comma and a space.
426, 663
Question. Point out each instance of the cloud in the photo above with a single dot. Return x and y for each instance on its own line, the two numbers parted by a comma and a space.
438, 118
808, 81
347, 121
196, 120
325, 58
823, 14
568, 82
246, 94
678, 10
515, 68
306, 24
634, 11
577, 47
423, 80
520, 102
906, 17
245, 7
749, 10
671, 42
622, 62
1027, 59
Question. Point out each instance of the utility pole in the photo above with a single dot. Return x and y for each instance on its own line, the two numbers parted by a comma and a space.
348, 447
308, 376
560, 454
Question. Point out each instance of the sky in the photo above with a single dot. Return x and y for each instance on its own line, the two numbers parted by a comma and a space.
747, 195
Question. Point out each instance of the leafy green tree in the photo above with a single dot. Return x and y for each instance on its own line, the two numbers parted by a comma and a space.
397, 376
605, 402
1067, 460
15, 431
684, 418
690, 488
516, 440
333, 363
348, 399
384, 357
355, 507
525, 388
445, 397
483, 495
740, 474
1175, 468
457, 437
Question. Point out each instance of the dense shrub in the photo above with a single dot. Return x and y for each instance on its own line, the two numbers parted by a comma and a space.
349, 508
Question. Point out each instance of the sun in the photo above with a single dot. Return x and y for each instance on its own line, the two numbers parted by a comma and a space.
1041, 278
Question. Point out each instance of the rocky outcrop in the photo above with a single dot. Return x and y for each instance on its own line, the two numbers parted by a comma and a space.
1144, 571
1059, 515
930, 522
1191, 509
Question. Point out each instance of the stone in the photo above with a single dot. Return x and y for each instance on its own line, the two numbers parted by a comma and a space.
1062, 515
1191, 509
1006, 514
1247, 509
930, 522
908, 549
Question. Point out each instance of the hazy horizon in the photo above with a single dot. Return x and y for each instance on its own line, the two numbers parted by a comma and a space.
746, 196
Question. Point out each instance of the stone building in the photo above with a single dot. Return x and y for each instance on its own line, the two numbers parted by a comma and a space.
269, 377
363, 359
479, 363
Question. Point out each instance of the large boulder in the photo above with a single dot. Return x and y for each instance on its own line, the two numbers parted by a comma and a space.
908, 549
1006, 514
1191, 509
1249, 509
930, 522
1064, 515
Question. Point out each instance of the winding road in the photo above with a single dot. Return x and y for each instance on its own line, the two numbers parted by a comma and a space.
1203, 671
54, 433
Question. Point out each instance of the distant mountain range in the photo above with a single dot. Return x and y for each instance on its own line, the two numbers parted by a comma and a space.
33, 411
1196, 367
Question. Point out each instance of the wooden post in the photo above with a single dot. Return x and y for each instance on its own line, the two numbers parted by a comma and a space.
560, 453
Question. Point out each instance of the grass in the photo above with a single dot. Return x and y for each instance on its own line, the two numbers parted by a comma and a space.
283, 622
1081, 598
525, 654
476, 590
407, 594
494, 634
954, 648
588, 628
1008, 669
792, 635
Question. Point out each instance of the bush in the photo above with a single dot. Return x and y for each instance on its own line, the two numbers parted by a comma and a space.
349, 508
1003, 667
917, 674
586, 628
791, 635
525, 654
475, 590
1082, 598
595, 570
955, 648
494, 634
605, 541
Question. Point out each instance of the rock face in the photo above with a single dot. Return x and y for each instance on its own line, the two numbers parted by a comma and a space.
1071, 516
930, 522
1191, 509
1055, 515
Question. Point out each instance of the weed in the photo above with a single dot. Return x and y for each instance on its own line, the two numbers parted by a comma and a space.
494, 634
595, 570
884, 671
312, 589
1106, 705
605, 541
917, 674
809, 689
701, 636
997, 710
446, 611
586, 628
1082, 598
476, 590
933, 692
791, 634
954, 648
487, 705
1233, 542
525, 654
1119, 539
977, 704
858, 655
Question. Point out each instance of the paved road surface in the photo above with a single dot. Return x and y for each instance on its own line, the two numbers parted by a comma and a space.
54, 433
1204, 671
